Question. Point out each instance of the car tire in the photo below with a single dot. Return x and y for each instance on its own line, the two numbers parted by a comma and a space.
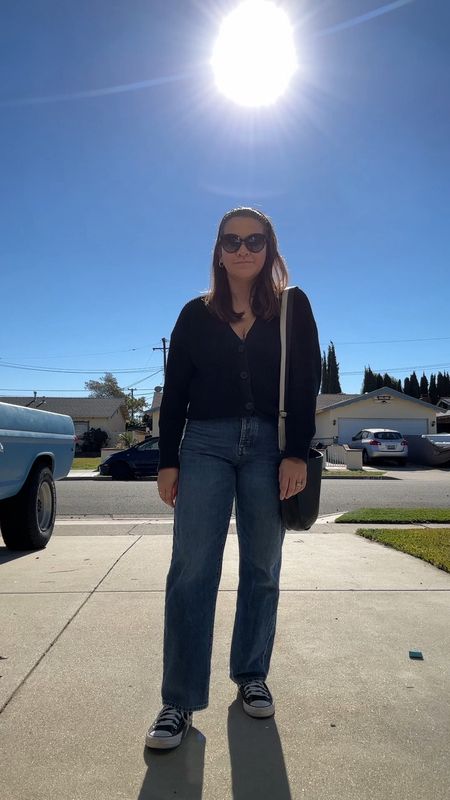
27, 519
121, 472
365, 458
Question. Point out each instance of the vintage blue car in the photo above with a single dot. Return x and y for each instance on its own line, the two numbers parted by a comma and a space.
36, 448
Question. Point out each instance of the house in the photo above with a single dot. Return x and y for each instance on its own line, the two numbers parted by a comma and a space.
444, 403
107, 413
154, 410
443, 415
340, 416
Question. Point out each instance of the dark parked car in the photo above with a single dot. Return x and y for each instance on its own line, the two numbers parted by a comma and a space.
137, 462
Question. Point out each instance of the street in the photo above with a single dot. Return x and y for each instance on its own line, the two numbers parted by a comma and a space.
140, 498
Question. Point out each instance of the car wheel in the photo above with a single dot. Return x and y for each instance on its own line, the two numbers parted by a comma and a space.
365, 457
27, 520
121, 472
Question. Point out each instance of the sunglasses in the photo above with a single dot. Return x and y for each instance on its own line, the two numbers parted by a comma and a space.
254, 243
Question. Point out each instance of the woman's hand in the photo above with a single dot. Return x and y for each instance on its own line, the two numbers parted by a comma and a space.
292, 477
168, 485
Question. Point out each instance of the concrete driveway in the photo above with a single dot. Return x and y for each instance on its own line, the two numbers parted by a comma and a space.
356, 719
416, 472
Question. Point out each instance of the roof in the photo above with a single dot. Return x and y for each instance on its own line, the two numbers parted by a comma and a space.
328, 400
347, 399
85, 408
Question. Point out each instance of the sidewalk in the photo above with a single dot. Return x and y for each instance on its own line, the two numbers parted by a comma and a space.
356, 717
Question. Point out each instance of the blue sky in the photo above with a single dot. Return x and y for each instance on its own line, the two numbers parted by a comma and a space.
110, 199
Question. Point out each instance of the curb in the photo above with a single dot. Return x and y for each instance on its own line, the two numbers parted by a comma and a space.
97, 477
86, 478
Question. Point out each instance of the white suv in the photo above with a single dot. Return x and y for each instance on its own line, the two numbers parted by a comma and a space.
381, 443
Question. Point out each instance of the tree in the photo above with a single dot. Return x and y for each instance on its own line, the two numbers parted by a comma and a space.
135, 406
109, 387
105, 387
407, 386
390, 382
324, 382
334, 386
414, 388
423, 387
369, 383
432, 390
374, 380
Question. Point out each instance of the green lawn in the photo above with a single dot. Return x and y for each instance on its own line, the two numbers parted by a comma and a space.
396, 515
85, 463
351, 473
429, 544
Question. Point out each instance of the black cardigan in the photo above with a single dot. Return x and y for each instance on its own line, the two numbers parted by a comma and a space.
212, 373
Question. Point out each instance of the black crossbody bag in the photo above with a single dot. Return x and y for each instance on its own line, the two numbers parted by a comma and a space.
300, 511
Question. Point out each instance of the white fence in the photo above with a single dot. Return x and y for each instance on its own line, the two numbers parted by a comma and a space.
335, 455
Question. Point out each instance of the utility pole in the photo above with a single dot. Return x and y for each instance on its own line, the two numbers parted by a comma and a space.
164, 349
132, 406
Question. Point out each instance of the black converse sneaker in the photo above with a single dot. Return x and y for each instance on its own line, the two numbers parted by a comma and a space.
256, 699
169, 727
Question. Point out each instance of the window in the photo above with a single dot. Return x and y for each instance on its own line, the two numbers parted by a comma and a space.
150, 444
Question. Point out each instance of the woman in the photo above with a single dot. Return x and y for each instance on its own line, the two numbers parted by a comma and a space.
223, 377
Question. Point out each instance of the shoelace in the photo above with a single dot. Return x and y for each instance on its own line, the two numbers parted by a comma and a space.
168, 719
258, 689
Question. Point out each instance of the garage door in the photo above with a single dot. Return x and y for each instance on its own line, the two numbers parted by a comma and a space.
348, 427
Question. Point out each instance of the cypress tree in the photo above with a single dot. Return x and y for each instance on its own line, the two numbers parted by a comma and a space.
440, 385
423, 388
324, 382
407, 386
334, 386
414, 386
432, 390
390, 382
369, 384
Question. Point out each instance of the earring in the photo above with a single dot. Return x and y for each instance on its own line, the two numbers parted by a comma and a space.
221, 265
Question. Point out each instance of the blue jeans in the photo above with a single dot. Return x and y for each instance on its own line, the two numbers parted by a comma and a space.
222, 460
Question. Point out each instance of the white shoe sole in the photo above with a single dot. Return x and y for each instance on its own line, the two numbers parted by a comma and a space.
255, 711
166, 742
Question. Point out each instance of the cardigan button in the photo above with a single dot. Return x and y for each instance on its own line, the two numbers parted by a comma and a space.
241, 348
243, 375
249, 406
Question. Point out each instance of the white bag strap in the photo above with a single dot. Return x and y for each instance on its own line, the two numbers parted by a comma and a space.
282, 414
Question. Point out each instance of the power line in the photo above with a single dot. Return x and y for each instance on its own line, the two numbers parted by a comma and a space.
88, 355
399, 369
390, 341
58, 370
136, 383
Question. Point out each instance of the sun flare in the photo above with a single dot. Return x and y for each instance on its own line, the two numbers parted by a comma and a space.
254, 55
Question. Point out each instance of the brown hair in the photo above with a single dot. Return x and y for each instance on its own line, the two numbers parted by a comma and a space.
269, 284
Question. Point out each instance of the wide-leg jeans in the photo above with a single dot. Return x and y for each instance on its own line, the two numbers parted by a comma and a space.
222, 460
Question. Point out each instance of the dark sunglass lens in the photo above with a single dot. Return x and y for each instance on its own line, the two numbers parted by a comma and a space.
230, 242
256, 242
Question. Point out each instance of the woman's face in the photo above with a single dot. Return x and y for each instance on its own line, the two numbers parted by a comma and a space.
243, 265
